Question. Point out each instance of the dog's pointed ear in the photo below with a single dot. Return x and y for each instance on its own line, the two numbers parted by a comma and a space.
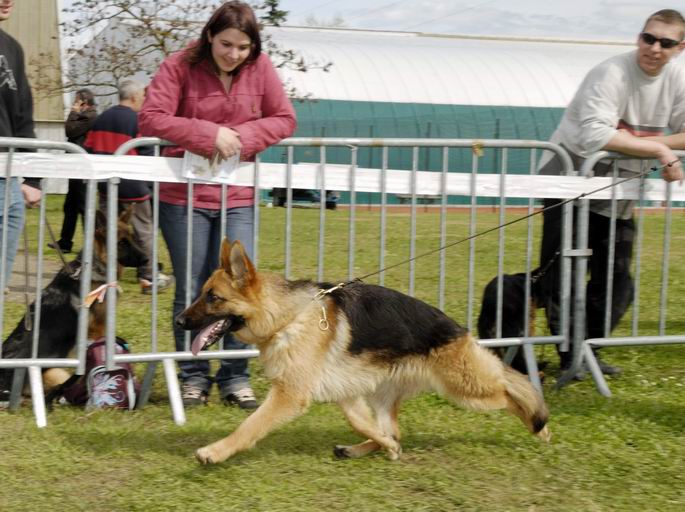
242, 270
225, 255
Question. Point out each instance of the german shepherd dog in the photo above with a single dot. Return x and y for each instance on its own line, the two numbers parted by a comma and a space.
365, 347
60, 302
513, 311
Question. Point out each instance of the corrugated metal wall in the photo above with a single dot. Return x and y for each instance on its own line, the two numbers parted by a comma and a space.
34, 23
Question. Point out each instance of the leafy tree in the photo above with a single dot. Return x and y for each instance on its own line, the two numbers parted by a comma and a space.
131, 38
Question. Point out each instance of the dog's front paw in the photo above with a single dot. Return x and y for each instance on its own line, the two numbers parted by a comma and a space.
206, 455
394, 453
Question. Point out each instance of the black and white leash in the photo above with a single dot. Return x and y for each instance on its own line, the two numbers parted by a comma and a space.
642, 174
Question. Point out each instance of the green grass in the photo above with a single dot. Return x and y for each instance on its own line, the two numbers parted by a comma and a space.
623, 453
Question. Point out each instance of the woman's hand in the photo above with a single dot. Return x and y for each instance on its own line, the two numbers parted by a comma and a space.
227, 142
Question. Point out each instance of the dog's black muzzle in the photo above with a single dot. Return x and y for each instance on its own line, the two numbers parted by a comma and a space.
233, 322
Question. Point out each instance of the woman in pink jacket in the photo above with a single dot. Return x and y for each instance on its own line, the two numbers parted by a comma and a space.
218, 97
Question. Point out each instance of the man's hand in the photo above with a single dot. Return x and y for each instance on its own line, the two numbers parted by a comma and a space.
673, 171
672, 166
31, 196
649, 147
227, 142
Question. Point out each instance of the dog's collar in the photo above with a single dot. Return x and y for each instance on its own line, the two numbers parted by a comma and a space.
322, 293
543, 270
73, 269
323, 321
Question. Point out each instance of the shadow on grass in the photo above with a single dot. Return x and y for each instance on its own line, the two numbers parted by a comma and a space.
665, 414
310, 438
185, 440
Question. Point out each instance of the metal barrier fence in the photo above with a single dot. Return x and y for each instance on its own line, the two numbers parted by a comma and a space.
471, 185
33, 365
665, 194
352, 178
49, 165
375, 181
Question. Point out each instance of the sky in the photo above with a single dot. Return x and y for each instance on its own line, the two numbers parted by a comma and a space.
584, 19
568, 19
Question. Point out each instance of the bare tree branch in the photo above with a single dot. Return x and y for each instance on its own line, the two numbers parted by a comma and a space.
132, 37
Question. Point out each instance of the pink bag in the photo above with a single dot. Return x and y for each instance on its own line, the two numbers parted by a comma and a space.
102, 388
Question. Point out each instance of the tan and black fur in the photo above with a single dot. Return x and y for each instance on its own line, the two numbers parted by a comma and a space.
379, 348
60, 302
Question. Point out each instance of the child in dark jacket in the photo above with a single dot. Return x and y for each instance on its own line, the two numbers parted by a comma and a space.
111, 129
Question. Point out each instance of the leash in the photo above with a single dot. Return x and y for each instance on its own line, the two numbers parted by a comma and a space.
322, 293
525, 217
65, 265
541, 273
98, 294
28, 320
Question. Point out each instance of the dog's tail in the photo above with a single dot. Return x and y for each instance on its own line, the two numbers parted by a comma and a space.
476, 378
526, 402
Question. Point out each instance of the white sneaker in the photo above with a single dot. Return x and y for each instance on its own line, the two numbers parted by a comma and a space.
193, 395
164, 281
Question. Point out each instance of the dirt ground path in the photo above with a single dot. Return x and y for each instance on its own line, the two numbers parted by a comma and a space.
17, 282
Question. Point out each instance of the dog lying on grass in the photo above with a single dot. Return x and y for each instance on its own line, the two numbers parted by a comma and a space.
365, 347
60, 302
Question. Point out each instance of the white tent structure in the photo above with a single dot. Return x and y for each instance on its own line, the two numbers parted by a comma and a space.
408, 67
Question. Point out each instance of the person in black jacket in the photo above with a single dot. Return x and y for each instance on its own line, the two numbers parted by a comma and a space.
79, 121
16, 120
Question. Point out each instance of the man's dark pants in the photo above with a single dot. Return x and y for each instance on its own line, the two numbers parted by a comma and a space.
598, 242
74, 205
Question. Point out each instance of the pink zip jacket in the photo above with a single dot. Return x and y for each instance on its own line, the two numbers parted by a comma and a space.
186, 105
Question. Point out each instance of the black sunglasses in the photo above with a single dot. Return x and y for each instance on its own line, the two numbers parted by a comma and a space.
665, 42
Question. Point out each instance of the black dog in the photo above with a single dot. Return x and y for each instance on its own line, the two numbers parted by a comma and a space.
60, 303
513, 311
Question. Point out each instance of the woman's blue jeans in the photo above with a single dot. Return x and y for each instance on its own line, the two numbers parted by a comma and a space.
233, 374
15, 222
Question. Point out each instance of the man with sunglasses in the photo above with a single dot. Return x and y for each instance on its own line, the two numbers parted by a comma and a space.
626, 104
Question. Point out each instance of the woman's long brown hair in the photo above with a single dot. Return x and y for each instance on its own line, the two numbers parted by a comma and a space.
235, 14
